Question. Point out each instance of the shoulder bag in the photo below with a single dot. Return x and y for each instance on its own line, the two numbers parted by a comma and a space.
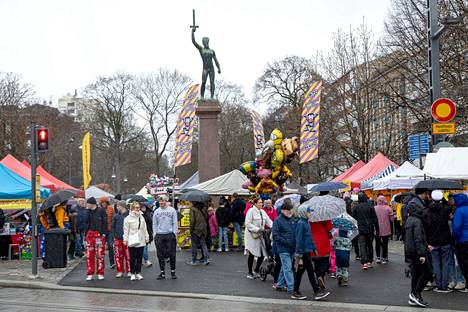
134, 238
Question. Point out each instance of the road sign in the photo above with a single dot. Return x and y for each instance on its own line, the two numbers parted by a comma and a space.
443, 110
418, 145
443, 128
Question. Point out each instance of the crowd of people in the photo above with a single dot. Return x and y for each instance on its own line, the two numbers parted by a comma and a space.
280, 240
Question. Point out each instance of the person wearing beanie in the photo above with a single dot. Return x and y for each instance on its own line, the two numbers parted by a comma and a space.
342, 246
436, 225
104, 203
121, 252
96, 230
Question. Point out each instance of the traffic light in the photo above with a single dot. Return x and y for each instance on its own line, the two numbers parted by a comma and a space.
42, 139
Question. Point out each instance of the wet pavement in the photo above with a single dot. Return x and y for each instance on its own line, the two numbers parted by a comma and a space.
382, 285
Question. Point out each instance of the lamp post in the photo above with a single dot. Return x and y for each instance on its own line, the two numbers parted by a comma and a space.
70, 154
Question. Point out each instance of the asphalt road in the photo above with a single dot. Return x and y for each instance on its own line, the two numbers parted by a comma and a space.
382, 285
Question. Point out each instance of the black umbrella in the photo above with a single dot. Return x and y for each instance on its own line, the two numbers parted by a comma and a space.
137, 198
57, 198
195, 196
328, 186
439, 184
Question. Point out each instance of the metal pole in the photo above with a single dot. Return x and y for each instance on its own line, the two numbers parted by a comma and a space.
33, 199
419, 151
173, 186
69, 162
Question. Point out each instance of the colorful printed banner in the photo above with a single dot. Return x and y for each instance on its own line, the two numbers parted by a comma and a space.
310, 120
259, 137
185, 125
86, 159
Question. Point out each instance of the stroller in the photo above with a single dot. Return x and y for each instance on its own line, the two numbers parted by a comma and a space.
268, 263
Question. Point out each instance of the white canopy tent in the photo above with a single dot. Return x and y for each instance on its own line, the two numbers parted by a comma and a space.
405, 177
96, 192
448, 163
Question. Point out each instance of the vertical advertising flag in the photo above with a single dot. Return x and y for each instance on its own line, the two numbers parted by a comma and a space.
86, 159
259, 137
310, 120
185, 125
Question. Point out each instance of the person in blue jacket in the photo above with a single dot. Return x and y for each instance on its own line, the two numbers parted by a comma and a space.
303, 261
460, 233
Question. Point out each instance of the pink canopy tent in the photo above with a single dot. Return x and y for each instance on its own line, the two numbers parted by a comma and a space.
23, 171
369, 170
358, 165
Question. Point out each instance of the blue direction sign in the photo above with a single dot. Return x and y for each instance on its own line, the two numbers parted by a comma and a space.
418, 145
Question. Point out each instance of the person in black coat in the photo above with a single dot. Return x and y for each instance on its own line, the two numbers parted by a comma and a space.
238, 218
368, 226
416, 248
223, 217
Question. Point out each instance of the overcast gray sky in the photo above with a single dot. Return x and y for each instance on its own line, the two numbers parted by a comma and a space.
62, 45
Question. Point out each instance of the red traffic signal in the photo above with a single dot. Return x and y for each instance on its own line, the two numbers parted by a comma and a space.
42, 139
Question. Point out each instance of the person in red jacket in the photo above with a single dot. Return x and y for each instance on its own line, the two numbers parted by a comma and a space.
321, 236
270, 210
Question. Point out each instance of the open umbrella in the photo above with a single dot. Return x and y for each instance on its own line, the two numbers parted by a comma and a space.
137, 198
57, 198
345, 222
328, 186
295, 200
439, 184
325, 207
195, 196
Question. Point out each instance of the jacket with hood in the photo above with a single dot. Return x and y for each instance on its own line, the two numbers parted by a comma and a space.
404, 207
284, 230
460, 219
365, 216
415, 242
436, 224
198, 220
304, 240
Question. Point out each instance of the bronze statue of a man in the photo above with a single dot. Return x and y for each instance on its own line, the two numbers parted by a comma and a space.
208, 56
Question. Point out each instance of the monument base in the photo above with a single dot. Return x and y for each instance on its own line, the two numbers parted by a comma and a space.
209, 165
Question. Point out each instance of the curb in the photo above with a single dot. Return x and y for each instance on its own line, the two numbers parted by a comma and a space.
335, 305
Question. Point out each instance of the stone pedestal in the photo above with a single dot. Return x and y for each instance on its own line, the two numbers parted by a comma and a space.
209, 166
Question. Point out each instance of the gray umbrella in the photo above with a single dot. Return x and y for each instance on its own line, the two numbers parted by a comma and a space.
325, 207
195, 196
57, 198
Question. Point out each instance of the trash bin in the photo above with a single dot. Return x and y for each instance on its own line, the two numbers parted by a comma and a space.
55, 248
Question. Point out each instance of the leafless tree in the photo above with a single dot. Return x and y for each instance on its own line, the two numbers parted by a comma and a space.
159, 97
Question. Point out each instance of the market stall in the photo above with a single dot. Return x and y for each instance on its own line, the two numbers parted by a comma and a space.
344, 176
404, 178
375, 166
447, 163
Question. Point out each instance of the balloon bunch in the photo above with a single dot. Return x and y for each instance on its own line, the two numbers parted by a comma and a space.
268, 173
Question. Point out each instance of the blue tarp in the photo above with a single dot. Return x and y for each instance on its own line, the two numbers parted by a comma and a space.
12, 186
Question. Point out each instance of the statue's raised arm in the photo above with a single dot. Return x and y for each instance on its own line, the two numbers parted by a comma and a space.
193, 40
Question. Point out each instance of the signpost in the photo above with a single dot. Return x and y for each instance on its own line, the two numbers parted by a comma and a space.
443, 110
443, 128
418, 146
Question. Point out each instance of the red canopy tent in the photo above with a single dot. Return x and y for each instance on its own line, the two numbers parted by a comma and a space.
358, 165
369, 170
20, 169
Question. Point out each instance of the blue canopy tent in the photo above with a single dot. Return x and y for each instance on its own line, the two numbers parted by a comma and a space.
14, 187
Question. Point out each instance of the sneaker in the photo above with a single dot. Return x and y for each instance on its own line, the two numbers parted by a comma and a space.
219, 249
119, 275
369, 265
112, 266
192, 263
411, 303
321, 294
428, 286
451, 285
129, 274
442, 291
139, 276
281, 289
100, 277
206, 262
333, 275
345, 283
340, 281
384, 261
320, 282
161, 276
149, 263
250, 276
298, 296
378, 261
173, 275
459, 286
132, 277
364, 266
417, 300
227, 249
89, 278
256, 275
464, 290
357, 258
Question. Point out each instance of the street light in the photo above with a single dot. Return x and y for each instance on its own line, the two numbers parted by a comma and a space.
70, 154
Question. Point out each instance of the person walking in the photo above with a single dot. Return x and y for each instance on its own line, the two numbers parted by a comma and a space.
283, 233
460, 234
385, 217
96, 229
368, 226
304, 245
255, 222
416, 248
237, 218
81, 224
213, 224
149, 226
436, 226
198, 232
121, 252
342, 246
223, 218
321, 235
104, 203
165, 229
135, 238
